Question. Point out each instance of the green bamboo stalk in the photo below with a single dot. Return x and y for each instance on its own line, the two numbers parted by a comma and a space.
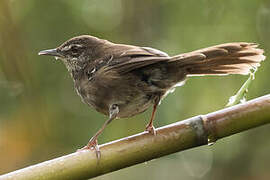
193, 132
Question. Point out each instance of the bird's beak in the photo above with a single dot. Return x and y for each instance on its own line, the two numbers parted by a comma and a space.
50, 52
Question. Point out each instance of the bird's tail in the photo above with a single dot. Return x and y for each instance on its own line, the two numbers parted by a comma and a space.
229, 58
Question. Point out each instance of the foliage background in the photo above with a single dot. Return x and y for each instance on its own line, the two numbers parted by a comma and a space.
41, 117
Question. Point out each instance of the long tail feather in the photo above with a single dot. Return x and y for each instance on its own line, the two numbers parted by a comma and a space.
229, 58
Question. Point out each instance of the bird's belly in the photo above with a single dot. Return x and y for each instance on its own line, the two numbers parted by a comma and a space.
131, 100
134, 107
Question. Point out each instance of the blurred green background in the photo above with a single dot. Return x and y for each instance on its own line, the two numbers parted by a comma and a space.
41, 117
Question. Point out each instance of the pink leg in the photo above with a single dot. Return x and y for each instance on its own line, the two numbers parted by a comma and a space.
150, 128
93, 143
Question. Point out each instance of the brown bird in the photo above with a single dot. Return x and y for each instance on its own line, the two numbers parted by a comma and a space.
121, 80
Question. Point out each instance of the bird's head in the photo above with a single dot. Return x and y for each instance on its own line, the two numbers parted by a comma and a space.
76, 51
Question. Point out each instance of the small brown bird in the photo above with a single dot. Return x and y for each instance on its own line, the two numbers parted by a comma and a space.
123, 80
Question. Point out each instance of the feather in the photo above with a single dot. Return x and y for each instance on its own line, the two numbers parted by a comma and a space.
229, 58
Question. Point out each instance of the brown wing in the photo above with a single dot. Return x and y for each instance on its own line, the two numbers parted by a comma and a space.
127, 58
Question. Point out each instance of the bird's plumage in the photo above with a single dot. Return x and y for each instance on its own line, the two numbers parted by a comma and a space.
124, 80
106, 73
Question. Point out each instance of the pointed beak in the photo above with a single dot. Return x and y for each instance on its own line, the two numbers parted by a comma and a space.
50, 52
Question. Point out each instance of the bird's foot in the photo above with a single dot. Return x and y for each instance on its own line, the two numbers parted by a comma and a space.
151, 129
92, 145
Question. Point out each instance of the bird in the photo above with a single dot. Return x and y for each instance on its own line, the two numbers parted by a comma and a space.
121, 81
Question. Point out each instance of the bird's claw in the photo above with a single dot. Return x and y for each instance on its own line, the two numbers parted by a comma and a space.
92, 145
151, 129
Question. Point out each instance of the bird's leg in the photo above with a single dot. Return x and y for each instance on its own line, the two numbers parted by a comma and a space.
93, 143
150, 128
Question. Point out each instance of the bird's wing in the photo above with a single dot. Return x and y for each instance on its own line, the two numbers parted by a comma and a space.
134, 57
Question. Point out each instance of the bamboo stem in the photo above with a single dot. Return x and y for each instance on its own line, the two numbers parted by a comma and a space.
143, 147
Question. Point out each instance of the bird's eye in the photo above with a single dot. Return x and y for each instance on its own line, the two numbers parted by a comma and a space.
75, 49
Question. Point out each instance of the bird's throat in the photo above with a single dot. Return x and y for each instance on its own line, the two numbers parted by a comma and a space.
73, 64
